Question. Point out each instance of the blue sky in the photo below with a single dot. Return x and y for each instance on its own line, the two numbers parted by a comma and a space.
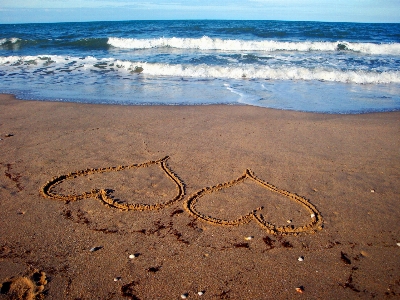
28, 11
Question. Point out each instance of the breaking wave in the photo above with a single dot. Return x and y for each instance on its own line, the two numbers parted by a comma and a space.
9, 41
207, 43
12, 65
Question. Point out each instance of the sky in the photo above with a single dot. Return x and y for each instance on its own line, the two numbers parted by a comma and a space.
48, 11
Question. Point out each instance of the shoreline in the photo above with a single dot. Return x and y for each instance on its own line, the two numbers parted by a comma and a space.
346, 166
202, 104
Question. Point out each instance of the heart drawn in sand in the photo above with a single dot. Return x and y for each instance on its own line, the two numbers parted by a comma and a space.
105, 196
314, 224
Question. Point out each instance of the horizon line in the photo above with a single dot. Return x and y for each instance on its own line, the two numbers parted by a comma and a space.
200, 19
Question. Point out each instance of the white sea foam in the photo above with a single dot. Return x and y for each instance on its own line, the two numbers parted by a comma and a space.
244, 98
207, 43
265, 72
10, 40
60, 64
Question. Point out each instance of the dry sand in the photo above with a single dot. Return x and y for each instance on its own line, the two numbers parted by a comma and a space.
114, 198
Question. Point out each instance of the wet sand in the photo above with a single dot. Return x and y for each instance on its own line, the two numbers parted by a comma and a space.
153, 202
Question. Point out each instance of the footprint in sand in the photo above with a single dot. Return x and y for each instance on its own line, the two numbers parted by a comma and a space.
28, 287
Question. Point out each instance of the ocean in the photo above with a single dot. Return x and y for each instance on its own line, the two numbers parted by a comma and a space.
319, 67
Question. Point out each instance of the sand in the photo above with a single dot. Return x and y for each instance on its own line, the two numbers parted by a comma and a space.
164, 202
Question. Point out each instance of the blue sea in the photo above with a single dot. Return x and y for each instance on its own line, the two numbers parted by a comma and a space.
303, 66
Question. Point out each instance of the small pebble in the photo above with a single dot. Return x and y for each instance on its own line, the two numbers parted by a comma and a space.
248, 238
117, 278
201, 293
312, 215
300, 290
95, 248
9, 135
184, 296
132, 256
398, 244
301, 258
289, 221
372, 191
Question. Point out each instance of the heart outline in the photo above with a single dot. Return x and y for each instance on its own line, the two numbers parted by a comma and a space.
105, 195
316, 217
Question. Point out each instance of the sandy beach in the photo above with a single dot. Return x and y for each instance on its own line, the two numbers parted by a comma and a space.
197, 202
